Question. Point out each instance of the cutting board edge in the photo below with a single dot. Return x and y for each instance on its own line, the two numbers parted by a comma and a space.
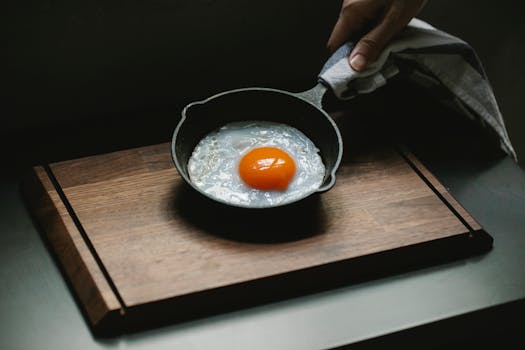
91, 288
304, 281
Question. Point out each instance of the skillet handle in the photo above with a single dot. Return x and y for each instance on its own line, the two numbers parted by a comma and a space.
337, 75
337, 72
314, 95
346, 83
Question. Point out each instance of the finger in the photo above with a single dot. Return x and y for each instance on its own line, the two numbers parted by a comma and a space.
370, 46
348, 23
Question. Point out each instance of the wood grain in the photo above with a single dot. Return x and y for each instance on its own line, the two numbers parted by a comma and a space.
159, 242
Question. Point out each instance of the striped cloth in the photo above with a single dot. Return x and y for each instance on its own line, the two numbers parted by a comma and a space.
431, 59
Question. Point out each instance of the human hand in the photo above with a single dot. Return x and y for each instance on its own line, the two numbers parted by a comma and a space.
388, 17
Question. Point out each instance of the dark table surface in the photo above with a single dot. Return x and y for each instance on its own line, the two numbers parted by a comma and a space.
472, 300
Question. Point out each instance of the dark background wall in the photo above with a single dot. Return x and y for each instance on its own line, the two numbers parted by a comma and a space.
90, 58
74, 63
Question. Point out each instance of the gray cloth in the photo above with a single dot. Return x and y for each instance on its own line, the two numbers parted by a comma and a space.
437, 60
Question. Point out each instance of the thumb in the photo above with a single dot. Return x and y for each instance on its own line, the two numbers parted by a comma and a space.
370, 46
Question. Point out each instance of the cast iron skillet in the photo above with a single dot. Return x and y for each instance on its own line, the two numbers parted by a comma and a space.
300, 110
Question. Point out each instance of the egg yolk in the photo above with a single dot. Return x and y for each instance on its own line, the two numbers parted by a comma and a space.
267, 168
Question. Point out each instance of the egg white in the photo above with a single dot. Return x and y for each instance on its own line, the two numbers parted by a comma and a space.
213, 165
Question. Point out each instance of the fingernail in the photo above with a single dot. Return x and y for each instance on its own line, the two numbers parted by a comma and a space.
358, 62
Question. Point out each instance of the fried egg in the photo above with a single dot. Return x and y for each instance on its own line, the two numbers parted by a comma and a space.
256, 164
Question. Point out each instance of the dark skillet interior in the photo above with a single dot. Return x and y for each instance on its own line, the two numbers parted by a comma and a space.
253, 104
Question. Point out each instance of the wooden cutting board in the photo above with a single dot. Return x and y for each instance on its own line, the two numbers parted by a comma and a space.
139, 247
